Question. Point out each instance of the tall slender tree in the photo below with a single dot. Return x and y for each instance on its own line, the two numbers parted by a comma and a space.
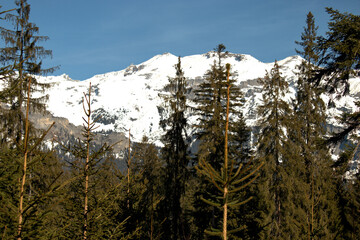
232, 178
274, 116
84, 209
340, 59
314, 178
19, 58
25, 55
149, 168
175, 154
210, 99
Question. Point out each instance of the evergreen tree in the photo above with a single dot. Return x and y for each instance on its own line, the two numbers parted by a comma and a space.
315, 210
6, 72
35, 184
149, 168
232, 178
91, 206
43, 183
211, 105
351, 209
133, 190
340, 60
175, 155
273, 148
349, 194
210, 98
25, 187
24, 55
340, 55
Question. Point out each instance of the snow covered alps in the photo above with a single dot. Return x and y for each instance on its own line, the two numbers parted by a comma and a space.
131, 98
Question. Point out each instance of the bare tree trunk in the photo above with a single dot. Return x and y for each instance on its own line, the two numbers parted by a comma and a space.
88, 139
225, 214
225, 207
23, 181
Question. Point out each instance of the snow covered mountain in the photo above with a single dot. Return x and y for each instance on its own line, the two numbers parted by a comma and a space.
130, 98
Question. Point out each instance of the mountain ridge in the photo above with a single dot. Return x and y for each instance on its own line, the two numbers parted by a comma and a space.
130, 98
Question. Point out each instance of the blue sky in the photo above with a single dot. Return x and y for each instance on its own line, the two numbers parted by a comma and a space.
91, 37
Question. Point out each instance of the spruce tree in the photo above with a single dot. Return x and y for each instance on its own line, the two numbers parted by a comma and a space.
349, 194
149, 169
31, 186
133, 190
6, 72
347, 191
35, 186
43, 183
340, 56
175, 154
340, 61
352, 209
314, 182
210, 98
274, 116
23, 53
347, 181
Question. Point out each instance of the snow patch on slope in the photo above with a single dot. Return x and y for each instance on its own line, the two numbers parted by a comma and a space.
131, 98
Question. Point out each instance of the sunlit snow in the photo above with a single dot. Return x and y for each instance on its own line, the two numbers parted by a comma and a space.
131, 98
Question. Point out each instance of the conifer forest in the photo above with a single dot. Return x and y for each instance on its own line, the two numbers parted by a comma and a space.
285, 186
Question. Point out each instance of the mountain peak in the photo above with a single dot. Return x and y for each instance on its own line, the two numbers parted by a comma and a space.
130, 98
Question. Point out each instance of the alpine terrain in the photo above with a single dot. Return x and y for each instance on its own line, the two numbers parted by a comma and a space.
131, 99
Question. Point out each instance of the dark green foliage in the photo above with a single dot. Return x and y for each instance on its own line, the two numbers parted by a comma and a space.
211, 101
309, 42
274, 116
27, 188
340, 59
351, 122
340, 53
313, 213
22, 41
352, 208
91, 206
141, 191
175, 155
107, 202
23, 54
232, 178
43, 183
149, 174
347, 191
300, 194
273, 148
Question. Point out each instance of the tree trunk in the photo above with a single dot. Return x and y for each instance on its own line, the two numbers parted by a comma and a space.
225, 207
88, 139
23, 181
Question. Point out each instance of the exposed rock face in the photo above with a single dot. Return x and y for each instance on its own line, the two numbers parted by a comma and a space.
67, 133
131, 98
